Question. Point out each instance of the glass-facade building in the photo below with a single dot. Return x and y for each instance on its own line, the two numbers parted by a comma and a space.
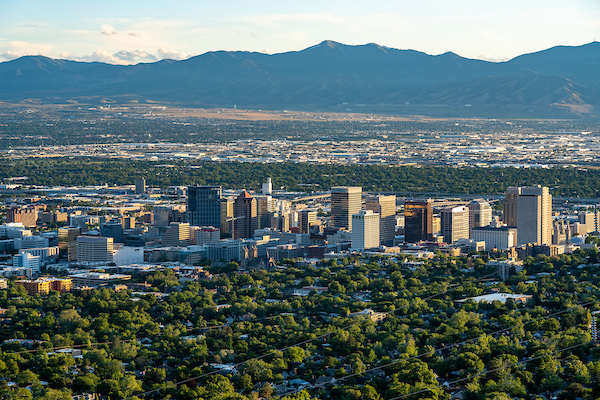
204, 206
418, 221
345, 202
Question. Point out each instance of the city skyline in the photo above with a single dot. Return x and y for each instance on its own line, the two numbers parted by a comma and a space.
145, 32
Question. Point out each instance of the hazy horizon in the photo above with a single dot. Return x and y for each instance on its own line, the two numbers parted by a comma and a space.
136, 31
218, 50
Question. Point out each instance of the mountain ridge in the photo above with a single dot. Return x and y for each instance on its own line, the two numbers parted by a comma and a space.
324, 77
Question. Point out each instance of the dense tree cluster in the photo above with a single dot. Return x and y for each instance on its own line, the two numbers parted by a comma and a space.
428, 344
567, 182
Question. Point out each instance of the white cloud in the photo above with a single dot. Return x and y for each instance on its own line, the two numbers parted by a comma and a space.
108, 30
135, 56
122, 57
488, 57
16, 49
173, 55
68, 56
10, 55
103, 56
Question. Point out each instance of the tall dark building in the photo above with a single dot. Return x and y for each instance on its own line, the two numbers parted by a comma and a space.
140, 186
510, 205
113, 230
67, 242
204, 206
418, 221
345, 202
307, 218
245, 216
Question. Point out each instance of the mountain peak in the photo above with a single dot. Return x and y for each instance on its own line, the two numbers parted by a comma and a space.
320, 77
331, 44
326, 46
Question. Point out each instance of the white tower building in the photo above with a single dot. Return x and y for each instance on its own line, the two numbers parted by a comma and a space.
365, 230
267, 188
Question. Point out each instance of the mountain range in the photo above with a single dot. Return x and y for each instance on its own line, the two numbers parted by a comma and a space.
560, 82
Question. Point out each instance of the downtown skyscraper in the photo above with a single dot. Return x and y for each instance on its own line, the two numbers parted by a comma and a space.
345, 202
204, 206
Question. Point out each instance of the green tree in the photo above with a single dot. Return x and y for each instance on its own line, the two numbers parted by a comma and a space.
25, 378
294, 354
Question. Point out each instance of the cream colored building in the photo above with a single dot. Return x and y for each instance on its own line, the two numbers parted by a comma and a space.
365, 230
385, 206
177, 234
589, 221
94, 249
455, 223
480, 213
502, 238
534, 216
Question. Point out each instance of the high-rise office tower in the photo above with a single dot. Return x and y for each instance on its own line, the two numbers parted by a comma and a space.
280, 221
140, 186
94, 249
589, 221
128, 222
418, 221
227, 215
177, 234
204, 206
114, 230
245, 216
67, 242
365, 230
510, 205
345, 202
385, 206
480, 213
307, 218
455, 223
534, 215
265, 205
164, 214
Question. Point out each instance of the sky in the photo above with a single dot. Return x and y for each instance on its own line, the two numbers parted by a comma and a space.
132, 31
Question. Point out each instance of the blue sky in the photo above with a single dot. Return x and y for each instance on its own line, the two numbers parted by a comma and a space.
126, 32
